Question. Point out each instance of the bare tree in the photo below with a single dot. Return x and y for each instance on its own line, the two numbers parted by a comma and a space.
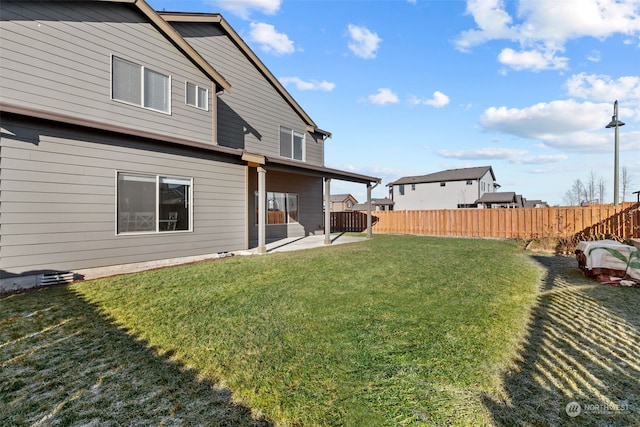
576, 194
602, 189
627, 181
590, 187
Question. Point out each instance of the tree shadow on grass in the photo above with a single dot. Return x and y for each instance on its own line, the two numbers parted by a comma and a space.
580, 362
62, 363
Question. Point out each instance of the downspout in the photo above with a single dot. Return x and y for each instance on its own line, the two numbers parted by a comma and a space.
369, 225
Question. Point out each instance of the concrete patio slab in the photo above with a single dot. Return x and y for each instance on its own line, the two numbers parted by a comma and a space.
308, 242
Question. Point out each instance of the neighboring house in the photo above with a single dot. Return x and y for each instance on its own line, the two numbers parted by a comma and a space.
449, 189
129, 136
342, 202
507, 199
376, 205
535, 204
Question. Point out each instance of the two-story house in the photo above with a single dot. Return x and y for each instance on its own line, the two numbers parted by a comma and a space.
129, 137
343, 202
448, 189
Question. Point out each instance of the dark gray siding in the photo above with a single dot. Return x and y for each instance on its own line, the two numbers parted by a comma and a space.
309, 191
58, 199
56, 56
250, 116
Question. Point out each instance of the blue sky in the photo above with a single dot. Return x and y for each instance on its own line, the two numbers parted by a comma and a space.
411, 87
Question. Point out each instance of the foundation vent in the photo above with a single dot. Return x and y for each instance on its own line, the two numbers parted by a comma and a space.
56, 278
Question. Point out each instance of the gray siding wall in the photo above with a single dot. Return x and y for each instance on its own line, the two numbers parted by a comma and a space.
56, 56
58, 199
309, 191
249, 116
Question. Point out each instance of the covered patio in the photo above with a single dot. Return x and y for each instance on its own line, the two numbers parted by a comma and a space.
265, 165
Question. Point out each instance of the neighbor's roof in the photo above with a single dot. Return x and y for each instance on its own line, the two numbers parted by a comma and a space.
341, 197
216, 18
498, 197
446, 176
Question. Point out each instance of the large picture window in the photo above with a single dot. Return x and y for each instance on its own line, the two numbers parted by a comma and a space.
150, 203
282, 208
138, 85
292, 144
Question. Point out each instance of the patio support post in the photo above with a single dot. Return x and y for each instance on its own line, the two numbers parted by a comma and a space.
327, 211
262, 210
369, 230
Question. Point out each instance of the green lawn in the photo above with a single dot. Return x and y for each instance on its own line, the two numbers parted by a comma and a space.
397, 330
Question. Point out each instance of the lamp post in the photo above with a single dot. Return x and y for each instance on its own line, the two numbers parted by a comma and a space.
615, 123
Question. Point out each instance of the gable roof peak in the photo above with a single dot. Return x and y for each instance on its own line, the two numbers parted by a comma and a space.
461, 174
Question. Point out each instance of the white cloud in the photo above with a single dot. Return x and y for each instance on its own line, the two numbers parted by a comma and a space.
594, 56
308, 85
534, 60
539, 120
543, 27
383, 96
270, 40
511, 155
604, 88
566, 125
492, 20
438, 100
364, 43
243, 8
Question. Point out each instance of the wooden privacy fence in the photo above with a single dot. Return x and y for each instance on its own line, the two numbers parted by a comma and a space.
520, 223
348, 221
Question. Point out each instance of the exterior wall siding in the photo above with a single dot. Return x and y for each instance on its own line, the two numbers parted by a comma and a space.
58, 199
251, 114
309, 190
56, 56
432, 196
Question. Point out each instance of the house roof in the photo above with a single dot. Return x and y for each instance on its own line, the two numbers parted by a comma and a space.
179, 42
383, 202
341, 197
498, 197
446, 176
215, 18
374, 202
286, 165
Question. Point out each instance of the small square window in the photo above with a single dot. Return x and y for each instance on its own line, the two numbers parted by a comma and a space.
442, 184
292, 144
197, 96
470, 182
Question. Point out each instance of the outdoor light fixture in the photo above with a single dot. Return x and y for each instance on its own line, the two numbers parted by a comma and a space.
615, 123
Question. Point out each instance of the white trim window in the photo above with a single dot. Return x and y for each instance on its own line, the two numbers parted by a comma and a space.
196, 96
135, 84
292, 144
153, 203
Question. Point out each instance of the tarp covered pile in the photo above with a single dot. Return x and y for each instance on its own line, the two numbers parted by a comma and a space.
609, 262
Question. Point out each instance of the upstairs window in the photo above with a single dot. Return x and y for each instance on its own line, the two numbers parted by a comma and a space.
442, 184
292, 144
138, 85
401, 189
197, 96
